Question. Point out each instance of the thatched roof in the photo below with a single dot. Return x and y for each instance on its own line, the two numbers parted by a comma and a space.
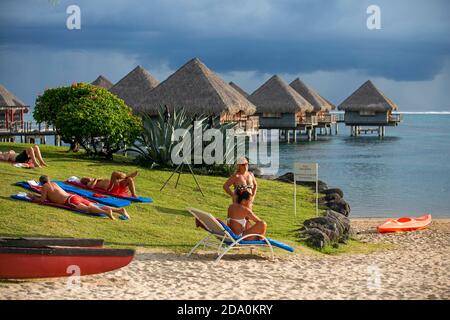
7, 99
277, 96
238, 89
316, 100
133, 86
103, 82
367, 98
198, 90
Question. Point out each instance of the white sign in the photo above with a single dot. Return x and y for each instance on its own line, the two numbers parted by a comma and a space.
306, 172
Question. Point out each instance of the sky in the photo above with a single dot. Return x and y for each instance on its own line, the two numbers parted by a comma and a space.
325, 43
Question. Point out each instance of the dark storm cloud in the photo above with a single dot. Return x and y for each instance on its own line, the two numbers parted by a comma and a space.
263, 36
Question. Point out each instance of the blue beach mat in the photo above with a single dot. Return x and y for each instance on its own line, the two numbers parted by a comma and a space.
23, 197
109, 201
275, 243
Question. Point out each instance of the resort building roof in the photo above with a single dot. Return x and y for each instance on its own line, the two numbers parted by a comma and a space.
238, 89
7, 99
367, 98
103, 82
316, 100
198, 90
275, 95
133, 86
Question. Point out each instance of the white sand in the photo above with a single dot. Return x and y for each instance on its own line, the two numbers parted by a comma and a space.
418, 268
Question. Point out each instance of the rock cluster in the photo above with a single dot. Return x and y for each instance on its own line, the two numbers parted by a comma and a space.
332, 228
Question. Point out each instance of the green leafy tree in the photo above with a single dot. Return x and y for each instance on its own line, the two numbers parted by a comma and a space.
89, 116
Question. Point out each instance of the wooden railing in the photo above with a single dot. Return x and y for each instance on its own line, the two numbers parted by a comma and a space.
306, 120
395, 117
327, 118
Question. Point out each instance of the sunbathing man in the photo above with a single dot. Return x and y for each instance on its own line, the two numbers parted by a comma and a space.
240, 215
242, 179
32, 153
53, 193
119, 183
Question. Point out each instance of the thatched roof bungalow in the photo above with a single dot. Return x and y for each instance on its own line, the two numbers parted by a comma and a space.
133, 86
12, 110
280, 106
369, 106
321, 105
198, 90
103, 82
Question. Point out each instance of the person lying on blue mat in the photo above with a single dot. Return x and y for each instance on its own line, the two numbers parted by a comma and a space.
240, 215
119, 183
53, 193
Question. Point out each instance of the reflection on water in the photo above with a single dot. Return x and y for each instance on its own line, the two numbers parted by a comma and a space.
404, 173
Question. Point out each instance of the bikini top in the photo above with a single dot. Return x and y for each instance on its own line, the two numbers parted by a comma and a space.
244, 187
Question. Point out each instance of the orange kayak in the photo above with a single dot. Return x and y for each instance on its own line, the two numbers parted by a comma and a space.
405, 224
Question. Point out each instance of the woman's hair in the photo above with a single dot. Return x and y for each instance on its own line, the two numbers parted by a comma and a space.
85, 180
243, 195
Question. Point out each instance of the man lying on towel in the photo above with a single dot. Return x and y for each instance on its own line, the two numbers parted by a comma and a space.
53, 193
119, 183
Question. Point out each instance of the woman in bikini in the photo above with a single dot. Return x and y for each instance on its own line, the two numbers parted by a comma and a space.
241, 180
240, 215
31, 154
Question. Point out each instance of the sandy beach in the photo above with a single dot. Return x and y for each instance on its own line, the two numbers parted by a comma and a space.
416, 267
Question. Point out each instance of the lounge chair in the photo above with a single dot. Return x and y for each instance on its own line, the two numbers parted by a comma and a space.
223, 239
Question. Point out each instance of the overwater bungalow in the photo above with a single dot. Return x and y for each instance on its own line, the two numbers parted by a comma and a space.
369, 107
322, 106
239, 89
133, 86
279, 106
12, 111
103, 82
198, 90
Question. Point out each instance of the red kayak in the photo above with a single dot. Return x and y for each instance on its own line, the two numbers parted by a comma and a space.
57, 261
33, 242
405, 224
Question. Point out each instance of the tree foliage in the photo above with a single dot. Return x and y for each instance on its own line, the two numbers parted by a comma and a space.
89, 115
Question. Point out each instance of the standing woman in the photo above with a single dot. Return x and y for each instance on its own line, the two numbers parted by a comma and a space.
241, 180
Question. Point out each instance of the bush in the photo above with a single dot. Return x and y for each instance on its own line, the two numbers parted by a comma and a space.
90, 116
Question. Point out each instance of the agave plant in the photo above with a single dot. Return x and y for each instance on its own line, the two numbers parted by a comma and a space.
154, 146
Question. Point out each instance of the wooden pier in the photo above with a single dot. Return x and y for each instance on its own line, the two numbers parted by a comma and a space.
28, 132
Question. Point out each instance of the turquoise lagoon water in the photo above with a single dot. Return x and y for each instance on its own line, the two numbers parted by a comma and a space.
406, 173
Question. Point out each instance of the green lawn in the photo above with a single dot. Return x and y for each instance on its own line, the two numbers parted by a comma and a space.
164, 224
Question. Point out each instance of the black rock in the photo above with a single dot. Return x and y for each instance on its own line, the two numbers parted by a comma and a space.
289, 177
334, 190
332, 197
315, 238
340, 206
333, 228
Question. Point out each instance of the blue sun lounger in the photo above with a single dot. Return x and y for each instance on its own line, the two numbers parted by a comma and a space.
227, 239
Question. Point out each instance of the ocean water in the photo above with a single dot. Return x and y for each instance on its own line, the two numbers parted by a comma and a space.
406, 173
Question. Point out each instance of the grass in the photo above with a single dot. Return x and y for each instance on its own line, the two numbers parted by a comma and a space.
164, 224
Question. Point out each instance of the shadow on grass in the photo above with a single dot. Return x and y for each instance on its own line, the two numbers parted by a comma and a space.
172, 211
